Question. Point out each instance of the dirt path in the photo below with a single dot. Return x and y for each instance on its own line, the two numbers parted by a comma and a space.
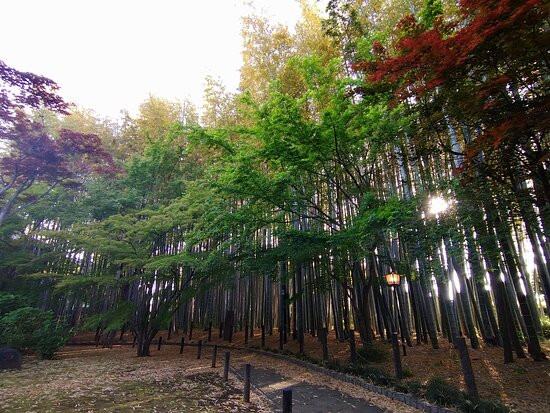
312, 391
306, 397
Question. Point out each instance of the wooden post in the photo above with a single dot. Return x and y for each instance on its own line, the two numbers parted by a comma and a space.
287, 401
245, 334
324, 343
352, 349
182, 344
210, 331
228, 325
396, 356
214, 356
190, 331
199, 349
469, 378
226, 366
169, 332
221, 330
246, 394
160, 343
263, 336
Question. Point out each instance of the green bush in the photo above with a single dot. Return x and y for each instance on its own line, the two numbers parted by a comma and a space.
443, 393
368, 373
415, 388
371, 353
10, 302
378, 377
49, 339
17, 328
545, 321
30, 328
401, 387
407, 373
483, 406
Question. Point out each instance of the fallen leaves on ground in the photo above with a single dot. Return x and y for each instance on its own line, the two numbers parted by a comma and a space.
100, 380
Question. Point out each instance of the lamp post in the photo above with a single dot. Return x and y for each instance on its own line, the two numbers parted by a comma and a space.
393, 280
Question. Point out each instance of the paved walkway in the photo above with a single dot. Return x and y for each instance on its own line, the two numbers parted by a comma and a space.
306, 397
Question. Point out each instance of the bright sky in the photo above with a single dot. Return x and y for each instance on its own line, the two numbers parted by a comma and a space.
109, 55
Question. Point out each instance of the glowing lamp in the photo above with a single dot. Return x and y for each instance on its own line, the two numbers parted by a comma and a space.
393, 279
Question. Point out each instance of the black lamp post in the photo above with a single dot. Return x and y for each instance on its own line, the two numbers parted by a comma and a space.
393, 280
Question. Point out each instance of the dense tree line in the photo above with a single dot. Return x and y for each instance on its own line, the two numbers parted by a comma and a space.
391, 137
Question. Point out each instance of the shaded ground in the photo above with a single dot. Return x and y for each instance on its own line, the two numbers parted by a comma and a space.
312, 391
101, 380
306, 397
89, 379
522, 385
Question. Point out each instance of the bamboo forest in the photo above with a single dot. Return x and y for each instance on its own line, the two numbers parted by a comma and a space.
371, 205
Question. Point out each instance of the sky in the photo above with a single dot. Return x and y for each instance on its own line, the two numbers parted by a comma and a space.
108, 55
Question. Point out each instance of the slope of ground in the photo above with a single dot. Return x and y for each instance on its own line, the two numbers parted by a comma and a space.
522, 385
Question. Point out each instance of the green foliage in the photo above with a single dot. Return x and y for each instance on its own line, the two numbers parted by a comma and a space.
401, 387
414, 387
368, 373
407, 373
431, 10
49, 338
29, 328
483, 406
19, 326
443, 393
372, 353
10, 302
110, 320
545, 321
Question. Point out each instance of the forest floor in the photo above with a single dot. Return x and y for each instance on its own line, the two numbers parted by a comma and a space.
522, 385
90, 379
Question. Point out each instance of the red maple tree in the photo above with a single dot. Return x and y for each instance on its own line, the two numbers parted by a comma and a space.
28, 154
488, 69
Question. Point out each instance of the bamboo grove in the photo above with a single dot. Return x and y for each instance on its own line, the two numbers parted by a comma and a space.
414, 144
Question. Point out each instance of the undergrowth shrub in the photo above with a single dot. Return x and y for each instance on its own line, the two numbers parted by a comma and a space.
30, 328
545, 321
407, 373
10, 302
482, 406
443, 393
373, 354
415, 388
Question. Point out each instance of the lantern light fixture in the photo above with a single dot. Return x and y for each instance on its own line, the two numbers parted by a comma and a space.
393, 279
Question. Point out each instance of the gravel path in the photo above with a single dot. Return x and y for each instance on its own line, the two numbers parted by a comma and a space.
312, 392
306, 397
